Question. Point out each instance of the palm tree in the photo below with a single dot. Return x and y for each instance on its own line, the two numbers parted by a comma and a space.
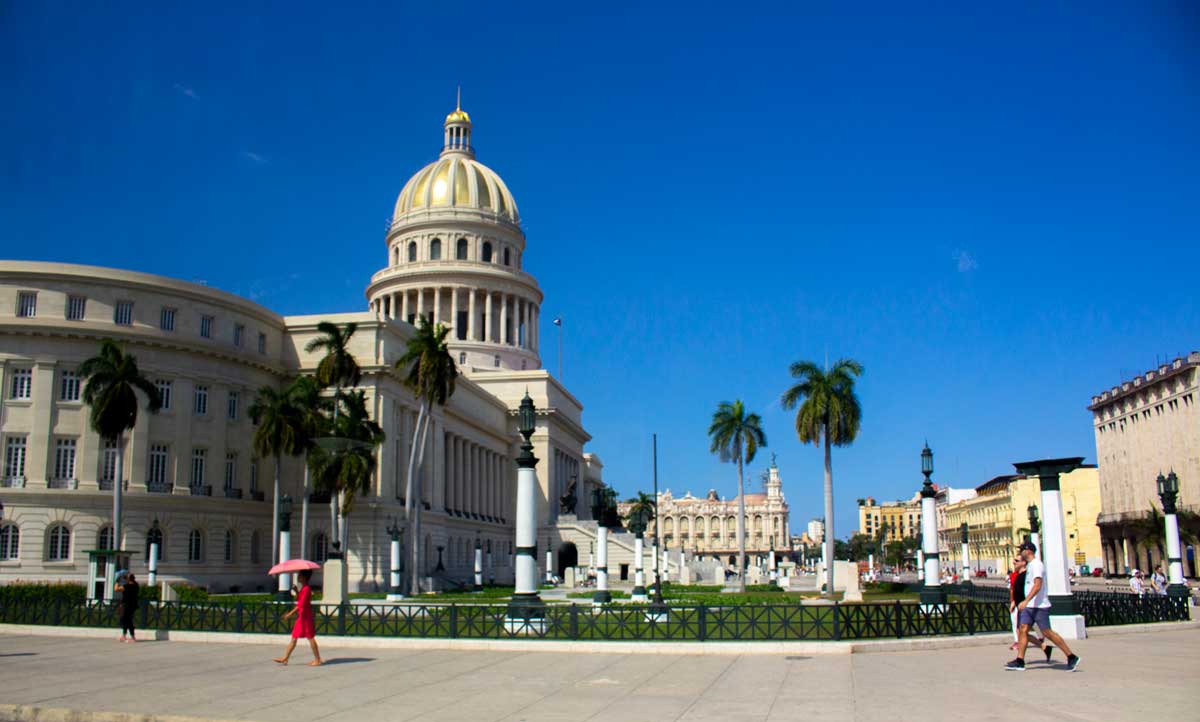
737, 436
306, 399
346, 470
643, 508
113, 380
431, 375
279, 429
830, 413
337, 368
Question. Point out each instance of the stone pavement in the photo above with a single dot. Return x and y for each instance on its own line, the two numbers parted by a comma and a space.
1151, 675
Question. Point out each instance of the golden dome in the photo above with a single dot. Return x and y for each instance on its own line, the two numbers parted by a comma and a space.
458, 116
456, 181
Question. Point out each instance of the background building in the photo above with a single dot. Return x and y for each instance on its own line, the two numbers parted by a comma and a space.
1147, 426
892, 520
998, 520
454, 253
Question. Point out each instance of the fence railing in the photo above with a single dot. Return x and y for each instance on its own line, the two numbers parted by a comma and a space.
1099, 609
690, 623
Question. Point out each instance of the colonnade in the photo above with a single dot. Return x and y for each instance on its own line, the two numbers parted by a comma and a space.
476, 480
507, 319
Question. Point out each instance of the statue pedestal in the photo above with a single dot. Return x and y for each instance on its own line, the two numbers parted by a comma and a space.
336, 580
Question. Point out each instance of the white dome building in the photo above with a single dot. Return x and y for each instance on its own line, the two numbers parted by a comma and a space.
454, 256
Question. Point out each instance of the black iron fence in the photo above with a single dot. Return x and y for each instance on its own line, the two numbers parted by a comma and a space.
1099, 609
690, 623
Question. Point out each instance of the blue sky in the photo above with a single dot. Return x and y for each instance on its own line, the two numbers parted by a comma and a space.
994, 211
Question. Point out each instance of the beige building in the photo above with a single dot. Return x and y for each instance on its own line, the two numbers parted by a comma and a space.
1147, 426
893, 519
707, 527
998, 520
453, 254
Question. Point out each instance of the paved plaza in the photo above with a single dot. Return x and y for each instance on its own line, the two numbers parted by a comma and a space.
1123, 676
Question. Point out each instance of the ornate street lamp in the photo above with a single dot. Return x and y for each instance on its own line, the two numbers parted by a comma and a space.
965, 532
1064, 616
637, 525
284, 593
1168, 494
1035, 529
395, 529
601, 502
525, 604
152, 562
931, 591
478, 564
657, 612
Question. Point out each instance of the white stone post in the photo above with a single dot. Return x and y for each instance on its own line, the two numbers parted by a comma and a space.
478, 566
870, 566
639, 575
152, 578
525, 604
966, 557
666, 569
602, 595
285, 553
1064, 616
920, 565
394, 594
549, 563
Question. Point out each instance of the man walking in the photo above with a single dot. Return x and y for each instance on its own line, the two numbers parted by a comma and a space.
1035, 609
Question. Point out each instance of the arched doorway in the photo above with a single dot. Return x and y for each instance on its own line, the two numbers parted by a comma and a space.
568, 556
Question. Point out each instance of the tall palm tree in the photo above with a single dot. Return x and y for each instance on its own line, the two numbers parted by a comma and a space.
113, 380
737, 436
346, 470
337, 368
830, 413
305, 393
643, 507
430, 373
279, 429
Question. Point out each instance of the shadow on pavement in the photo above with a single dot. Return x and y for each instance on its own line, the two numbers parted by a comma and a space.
18, 654
347, 660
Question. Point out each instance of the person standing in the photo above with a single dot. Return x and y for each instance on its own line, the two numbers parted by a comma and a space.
1136, 585
128, 588
1035, 609
1159, 581
1016, 592
305, 627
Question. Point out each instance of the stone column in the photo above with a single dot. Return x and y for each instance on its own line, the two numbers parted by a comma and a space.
639, 574
471, 318
420, 303
404, 305
504, 319
437, 305
1064, 616
454, 311
602, 595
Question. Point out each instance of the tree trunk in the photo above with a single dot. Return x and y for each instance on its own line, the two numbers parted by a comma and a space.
117, 489
334, 535
420, 478
828, 514
275, 514
304, 515
410, 503
344, 539
741, 529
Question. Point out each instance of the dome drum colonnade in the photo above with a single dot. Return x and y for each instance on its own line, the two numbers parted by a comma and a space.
443, 268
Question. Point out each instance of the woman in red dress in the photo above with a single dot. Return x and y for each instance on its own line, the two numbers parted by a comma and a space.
305, 626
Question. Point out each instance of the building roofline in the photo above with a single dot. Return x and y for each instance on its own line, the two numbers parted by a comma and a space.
1127, 388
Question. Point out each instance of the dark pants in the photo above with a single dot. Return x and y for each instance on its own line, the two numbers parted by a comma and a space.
127, 621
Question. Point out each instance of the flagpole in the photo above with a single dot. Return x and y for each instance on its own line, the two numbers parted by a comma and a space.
559, 322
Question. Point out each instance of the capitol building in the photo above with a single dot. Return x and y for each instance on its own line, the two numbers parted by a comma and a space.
454, 254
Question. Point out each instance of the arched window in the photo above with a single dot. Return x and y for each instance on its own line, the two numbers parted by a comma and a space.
320, 548
435, 249
255, 542
462, 358
59, 549
506, 258
461, 252
104, 538
396, 257
10, 542
487, 252
230, 546
412, 251
155, 536
195, 546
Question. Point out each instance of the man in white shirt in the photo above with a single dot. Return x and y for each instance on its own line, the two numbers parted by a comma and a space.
1035, 609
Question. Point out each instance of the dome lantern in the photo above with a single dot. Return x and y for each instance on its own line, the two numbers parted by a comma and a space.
458, 130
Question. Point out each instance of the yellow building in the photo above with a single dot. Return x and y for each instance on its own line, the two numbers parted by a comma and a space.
890, 520
998, 520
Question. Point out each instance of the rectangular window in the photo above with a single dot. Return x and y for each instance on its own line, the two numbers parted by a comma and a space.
253, 477
68, 387
164, 393
206, 326
160, 454
14, 458
22, 384
123, 313
27, 304
239, 334
200, 407
198, 457
76, 308
232, 407
64, 459
108, 462
166, 319
262, 343
230, 470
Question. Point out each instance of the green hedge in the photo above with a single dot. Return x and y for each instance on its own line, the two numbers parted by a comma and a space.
23, 592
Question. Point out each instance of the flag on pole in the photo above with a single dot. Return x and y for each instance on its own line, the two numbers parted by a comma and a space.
558, 321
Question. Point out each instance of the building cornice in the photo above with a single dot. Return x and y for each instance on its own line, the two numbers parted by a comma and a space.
1150, 378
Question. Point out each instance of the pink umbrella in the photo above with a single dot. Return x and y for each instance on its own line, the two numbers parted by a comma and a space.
293, 565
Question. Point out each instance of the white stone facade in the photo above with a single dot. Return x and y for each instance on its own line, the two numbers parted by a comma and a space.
191, 467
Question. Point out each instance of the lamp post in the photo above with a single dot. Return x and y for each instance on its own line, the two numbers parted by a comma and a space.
966, 551
525, 603
638, 526
658, 608
549, 562
284, 593
1168, 494
600, 501
931, 591
478, 564
395, 530
1034, 528
1064, 616
772, 571
490, 566
152, 562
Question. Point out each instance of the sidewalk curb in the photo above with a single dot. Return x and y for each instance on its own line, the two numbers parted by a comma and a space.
877, 646
28, 713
